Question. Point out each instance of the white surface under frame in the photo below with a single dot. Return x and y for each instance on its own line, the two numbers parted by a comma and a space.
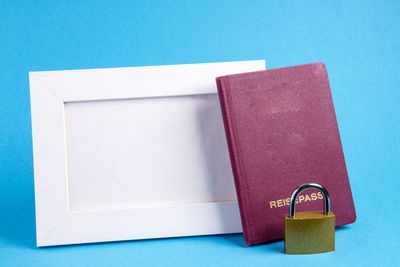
131, 153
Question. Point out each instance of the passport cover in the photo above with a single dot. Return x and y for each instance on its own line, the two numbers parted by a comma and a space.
282, 132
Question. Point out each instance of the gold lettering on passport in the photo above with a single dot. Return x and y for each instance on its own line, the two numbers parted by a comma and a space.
302, 198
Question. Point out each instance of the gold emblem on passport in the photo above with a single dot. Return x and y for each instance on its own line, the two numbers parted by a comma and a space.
309, 232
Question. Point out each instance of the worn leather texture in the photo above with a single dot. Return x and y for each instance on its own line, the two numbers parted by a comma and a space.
309, 232
282, 132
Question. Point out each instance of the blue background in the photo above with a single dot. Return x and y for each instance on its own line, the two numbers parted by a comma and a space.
359, 41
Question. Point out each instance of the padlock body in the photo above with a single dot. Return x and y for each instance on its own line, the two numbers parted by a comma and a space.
309, 232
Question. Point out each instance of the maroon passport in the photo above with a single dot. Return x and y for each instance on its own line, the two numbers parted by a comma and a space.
282, 132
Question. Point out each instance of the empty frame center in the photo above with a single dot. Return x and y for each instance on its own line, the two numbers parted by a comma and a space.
146, 152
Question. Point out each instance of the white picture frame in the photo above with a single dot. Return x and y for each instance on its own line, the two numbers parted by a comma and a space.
88, 186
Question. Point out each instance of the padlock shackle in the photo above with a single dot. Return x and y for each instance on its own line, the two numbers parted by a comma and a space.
303, 187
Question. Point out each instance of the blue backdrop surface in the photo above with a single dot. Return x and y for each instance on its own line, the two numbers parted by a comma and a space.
359, 41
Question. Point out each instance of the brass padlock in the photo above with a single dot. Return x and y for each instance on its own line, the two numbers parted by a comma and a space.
309, 232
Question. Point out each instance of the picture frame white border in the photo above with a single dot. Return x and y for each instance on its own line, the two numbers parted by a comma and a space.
50, 90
